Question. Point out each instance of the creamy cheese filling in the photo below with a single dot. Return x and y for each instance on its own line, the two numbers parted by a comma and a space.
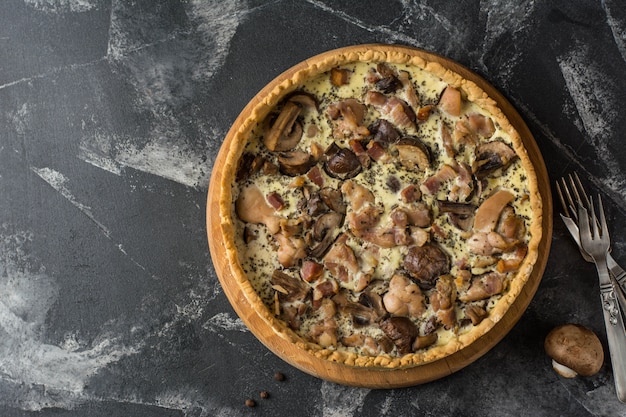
258, 255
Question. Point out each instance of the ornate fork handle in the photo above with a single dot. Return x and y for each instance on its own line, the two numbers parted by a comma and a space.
618, 272
614, 329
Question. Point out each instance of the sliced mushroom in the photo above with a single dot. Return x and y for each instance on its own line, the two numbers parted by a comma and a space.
422, 342
383, 131
304, 99
426, 263
491, 156
343, 164
295, 163
413, 154
249, 164
327, 222
402, 331
475, 313
389, 82
459, 214
325, 231
290, 288
333, 198
285, 133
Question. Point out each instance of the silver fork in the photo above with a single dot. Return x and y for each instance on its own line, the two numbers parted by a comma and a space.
571, 196
597, 245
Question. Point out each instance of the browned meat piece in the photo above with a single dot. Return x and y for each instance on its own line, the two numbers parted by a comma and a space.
347, 117
340, 76
488, 243
393, 109
341, 261
432, 184
426, 263
251, 207
450, 101
512, 263
484, 286
410, 194
357, 195
488, 212
293, 314
404, 297
481, 124
510, 226
324, 289
311, 270
443, 300
324, 331
368, 344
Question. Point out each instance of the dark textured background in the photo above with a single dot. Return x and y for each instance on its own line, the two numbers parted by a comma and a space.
111, 114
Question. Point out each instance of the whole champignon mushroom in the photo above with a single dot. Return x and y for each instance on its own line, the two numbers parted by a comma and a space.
426, 263
574, 350
402, 331
342, 164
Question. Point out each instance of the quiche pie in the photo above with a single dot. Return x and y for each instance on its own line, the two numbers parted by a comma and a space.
379, 210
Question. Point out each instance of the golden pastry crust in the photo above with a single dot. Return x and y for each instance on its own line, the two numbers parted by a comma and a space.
268, 100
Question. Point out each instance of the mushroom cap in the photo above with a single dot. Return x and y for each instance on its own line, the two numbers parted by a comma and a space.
575, 347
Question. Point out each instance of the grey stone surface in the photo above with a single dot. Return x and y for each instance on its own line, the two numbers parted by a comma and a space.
111, 114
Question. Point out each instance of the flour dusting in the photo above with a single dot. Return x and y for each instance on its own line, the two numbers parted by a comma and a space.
341, 400
617, 23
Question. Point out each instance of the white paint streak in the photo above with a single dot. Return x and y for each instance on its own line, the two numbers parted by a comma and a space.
191, 402
168, 161
341, 400
62, 6
505, 18
616, 24
57, 181
593, 95
223, 321
26, 295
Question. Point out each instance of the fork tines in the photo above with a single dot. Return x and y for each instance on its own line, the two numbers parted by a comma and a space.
572, 195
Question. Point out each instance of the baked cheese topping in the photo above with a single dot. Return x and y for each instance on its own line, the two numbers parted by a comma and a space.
380, 213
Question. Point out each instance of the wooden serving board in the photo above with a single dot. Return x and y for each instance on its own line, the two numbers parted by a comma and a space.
376, 377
